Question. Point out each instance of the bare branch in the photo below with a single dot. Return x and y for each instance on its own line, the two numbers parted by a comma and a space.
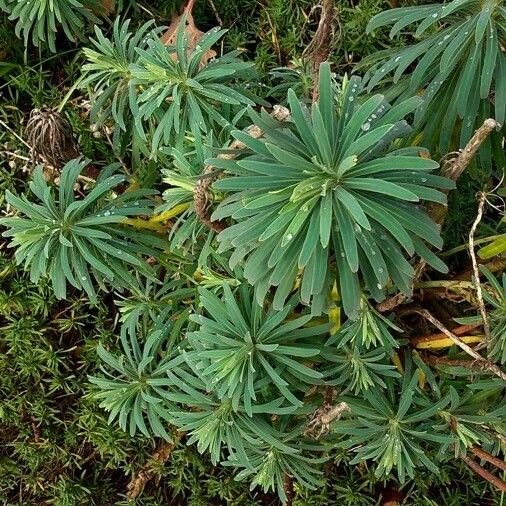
490, 366
147, 473
476, 271
480, 471
483, 455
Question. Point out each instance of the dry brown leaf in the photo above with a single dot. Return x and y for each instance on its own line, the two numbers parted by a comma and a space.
169, 37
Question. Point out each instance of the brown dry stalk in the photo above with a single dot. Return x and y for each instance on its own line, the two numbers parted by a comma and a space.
476, 271
289, 491
480, 471
147, 473
483, 455
487, 365
323, 417
453, 362
452, 170
201, 198
318, 50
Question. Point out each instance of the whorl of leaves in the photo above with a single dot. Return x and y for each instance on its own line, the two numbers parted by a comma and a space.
328, 194
40, 20
81, 241
458, 63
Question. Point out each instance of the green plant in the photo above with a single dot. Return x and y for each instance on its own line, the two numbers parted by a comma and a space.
327, 193
166, 90
79, 241
458, 66
394, 429
250, 349
42, 18
139, 389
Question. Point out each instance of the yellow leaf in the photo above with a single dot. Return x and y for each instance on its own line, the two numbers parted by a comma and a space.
446, 342
145, 224
397, 362
170, 213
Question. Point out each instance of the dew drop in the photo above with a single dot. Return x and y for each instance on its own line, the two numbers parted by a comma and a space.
288, 237
379, 286
434, 15
380, 270
83, 278
366, 126
119, 252
398, 58
107, 213
424, 180
351, 99
342, 254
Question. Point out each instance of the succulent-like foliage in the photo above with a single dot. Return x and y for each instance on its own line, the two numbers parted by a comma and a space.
137, 385
370, 329
458, 63
327, 193
394, 429
166, 90
268, 467
109, 73
357, 369
80, 241
250, 355
40, 20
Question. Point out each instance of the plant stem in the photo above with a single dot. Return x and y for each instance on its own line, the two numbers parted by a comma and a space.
480, 471
490, 366
476, 279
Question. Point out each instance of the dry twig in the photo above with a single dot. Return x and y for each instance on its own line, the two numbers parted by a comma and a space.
476, 271
319, 424
147, 473
487, 365
318, 50
289, 491
483, 455
480, 471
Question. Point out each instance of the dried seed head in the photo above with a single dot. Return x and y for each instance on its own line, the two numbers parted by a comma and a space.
50, 136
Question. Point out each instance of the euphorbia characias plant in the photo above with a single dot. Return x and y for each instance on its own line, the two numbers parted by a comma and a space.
234, 335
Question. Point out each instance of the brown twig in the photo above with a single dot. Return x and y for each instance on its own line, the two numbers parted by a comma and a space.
289, 491
210, 174
480, 471
215, 12
490, 366
147, 473
483, 455
476, 271
318, 50
453, 169
323, 417
454, 362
